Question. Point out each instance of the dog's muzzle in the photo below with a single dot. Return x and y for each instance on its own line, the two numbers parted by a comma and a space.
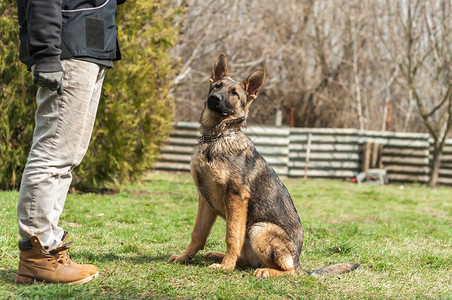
216, 103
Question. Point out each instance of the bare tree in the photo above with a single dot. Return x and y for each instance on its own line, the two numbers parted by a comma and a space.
418, 37
333, 63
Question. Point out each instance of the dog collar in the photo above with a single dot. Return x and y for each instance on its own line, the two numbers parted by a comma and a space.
211, 138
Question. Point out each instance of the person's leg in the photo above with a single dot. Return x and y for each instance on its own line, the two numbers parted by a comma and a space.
86, 128
90, 117
79, 154
60, 134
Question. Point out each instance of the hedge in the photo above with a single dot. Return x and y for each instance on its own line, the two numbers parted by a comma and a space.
135, 112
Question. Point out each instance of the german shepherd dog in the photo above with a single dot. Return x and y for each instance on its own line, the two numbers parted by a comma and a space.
234, 181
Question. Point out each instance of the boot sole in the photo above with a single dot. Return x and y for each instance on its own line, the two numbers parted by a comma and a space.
28, 280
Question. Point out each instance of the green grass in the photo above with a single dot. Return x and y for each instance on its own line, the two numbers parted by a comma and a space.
402, 238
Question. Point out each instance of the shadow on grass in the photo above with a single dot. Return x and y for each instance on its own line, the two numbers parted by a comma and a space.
121, 257
7, 276
139, 259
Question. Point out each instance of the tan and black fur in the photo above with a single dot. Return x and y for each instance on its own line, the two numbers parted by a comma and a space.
234, 181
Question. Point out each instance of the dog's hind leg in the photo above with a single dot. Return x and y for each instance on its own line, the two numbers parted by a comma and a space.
274, 247
246, 259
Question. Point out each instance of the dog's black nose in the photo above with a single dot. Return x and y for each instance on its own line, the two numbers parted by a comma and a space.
214, 98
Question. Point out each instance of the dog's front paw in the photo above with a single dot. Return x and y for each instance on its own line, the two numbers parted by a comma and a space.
179, 258
221, 266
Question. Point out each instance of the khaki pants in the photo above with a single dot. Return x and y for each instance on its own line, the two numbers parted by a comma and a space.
63, 127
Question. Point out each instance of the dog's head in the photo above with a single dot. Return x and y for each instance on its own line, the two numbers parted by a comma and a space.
228, 101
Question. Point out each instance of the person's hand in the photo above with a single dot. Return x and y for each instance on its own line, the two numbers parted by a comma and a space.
51, 80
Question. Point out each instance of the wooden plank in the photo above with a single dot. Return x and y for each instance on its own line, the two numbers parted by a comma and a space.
444, 158
167, 157
275, 141
171, 166
325, 139
272, 151
445, 172
407, 178
446, 152
187, 125
423, 144
324, 131
446, 164
389, 151
394, 135
182, 141
326, 165
177, 149
179, 133
407, 169
350, 156
405, 160
445, 181
323, 173
325, 148
267, 131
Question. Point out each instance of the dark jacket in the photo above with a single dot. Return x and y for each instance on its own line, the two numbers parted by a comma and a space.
84, 29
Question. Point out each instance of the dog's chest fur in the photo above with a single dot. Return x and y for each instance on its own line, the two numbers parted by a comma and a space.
215, 169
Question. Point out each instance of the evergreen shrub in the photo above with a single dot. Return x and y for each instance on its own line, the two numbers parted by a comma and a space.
135, 111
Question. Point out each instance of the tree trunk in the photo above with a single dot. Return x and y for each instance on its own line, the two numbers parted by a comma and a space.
436, 159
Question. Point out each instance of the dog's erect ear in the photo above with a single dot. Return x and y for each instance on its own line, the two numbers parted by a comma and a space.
220, 69
253, 84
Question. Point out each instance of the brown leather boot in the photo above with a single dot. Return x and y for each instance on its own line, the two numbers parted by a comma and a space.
66, 260
38, 264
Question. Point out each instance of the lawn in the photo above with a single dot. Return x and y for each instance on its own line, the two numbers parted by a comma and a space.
402, 236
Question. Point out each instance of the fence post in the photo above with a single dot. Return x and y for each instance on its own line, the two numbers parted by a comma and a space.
308, 152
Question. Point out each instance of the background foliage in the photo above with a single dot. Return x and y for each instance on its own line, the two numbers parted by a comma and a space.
17, 101
135, 111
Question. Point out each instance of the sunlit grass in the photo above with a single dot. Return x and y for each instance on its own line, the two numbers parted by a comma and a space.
401, 235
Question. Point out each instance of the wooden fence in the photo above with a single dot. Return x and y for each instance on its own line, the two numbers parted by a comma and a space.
322, 152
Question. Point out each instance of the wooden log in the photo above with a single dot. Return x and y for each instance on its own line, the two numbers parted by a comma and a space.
177, 149
172, 166
390, 151
314, 165
407, 178
407, 169
271, 141
322, 173
185, 133
182, 141
325, 139
405, 160
326, 156
325, 148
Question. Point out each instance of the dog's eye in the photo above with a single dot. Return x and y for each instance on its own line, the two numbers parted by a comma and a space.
218, 85
234, 92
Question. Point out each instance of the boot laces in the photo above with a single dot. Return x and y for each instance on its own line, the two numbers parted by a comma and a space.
50, 257
63, 257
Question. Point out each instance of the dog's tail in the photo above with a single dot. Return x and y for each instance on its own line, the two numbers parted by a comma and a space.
334, 269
